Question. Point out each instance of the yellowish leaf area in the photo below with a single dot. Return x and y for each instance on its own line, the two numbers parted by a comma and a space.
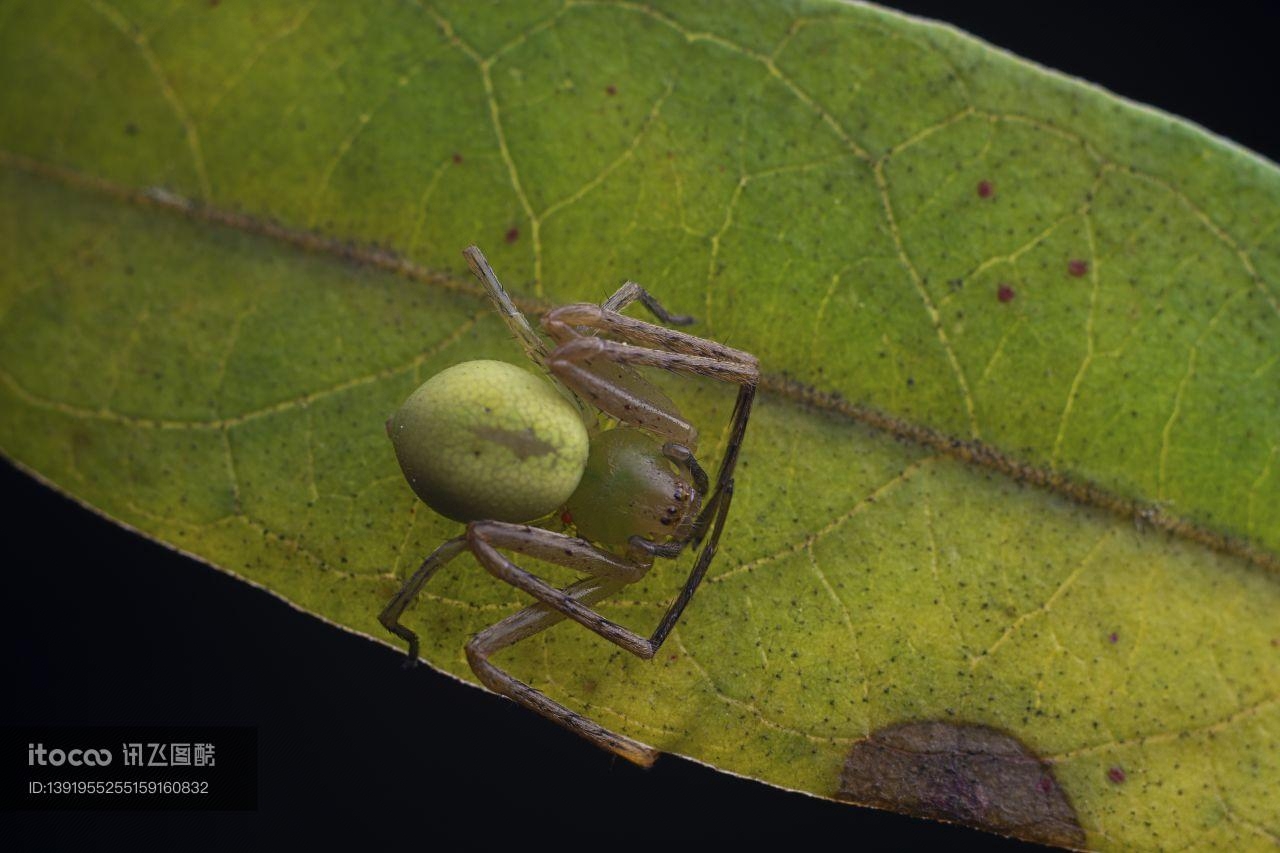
232, 246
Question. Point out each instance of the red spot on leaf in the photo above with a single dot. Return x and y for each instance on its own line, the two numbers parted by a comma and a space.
457, 158
1077, 267
1116, 775
1005, 293
986, 189
611, 89
566, 517
1115, 638
512, 235
1045, 785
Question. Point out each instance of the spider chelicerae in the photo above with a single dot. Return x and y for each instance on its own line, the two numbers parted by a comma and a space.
634, 489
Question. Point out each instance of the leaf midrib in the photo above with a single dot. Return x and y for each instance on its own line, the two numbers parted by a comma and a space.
972, 452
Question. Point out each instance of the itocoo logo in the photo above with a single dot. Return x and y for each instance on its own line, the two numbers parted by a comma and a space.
37, 754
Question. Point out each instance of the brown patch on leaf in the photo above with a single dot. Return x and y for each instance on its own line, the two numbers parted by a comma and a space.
969, 774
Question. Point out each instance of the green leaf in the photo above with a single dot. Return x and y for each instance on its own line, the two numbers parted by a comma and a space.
1015, 466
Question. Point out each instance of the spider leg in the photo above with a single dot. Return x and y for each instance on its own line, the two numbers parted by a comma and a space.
708, 552
390, 615
562, 324
630, 292
486, 537
525, 624
580, 362
712, 516
729, 464
572, 363
683, 457
609, 574
642, 344
534, 346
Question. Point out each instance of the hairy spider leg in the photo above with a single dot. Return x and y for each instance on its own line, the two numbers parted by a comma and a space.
608, 574
641, 344
390, 615
525, 624
630, 292
534, 347
486, 537
714, 512
656, 346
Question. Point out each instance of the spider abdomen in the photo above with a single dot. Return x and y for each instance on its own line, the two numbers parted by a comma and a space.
488, 440
629, 488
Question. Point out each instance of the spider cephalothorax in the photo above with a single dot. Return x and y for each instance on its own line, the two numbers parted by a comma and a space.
499, 448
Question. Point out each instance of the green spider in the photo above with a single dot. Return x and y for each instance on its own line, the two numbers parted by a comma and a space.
627, 475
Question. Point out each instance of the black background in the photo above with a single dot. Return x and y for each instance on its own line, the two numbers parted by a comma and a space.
100, 626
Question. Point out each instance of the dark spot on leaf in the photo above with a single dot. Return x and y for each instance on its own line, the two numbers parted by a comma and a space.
512, 235
986, 189
457, 158
81, 441
1077, 267
969, 774
611, 89
131, 129
1005, 293
1116, 775
1115, 638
